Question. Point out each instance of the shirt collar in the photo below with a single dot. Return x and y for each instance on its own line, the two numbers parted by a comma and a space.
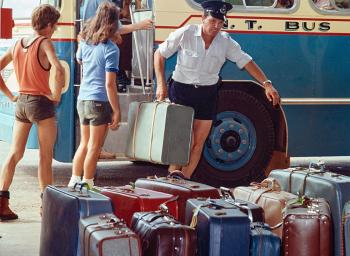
199, 30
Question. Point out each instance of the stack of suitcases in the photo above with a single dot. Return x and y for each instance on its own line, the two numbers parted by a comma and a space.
294, 212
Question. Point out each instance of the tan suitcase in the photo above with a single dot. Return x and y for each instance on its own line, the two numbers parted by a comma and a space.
269, 196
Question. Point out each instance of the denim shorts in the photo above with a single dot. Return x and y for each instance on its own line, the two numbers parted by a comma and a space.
92, 112
201, 98
33, 108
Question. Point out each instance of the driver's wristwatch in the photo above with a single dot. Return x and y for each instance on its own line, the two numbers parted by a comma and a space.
264, 84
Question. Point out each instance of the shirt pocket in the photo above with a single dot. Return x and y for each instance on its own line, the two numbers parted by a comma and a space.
189, 59
213, 63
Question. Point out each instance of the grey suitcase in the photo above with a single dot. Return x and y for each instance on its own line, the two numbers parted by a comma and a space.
334, 188
159, 132
105, 234
346, 222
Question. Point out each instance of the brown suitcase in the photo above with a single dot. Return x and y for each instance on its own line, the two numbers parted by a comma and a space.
162, 235
184, 189
269, 196
307, 229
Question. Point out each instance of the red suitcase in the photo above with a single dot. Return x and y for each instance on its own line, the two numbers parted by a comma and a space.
184, 189
127, 200
307, 229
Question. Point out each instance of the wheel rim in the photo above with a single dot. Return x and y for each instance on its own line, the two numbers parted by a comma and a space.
231, 143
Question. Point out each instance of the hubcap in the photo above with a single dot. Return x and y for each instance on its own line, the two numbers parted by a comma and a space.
231, 143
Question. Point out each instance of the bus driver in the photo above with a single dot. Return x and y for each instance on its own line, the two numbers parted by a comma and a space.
201, 52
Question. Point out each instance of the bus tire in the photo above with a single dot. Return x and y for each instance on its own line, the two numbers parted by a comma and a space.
240, 143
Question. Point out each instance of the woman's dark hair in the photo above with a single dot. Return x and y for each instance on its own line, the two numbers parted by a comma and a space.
103, 25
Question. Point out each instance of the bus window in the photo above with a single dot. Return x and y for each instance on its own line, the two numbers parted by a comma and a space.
333, 5
21, 8
284, 4
56, 3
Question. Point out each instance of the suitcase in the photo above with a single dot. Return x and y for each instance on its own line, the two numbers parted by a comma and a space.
256, 211
269, 196
62, 209
127, 200
222, 228
334, 188
159, 132
263, 242
105, 234
162, 235
346, 221
184, 189
307, 229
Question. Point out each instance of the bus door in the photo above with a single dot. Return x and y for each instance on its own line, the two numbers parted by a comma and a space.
136, 54
141, 87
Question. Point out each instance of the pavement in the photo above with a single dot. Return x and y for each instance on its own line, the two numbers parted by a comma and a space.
22, 237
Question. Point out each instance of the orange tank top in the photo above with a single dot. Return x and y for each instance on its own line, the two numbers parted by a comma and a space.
32, 77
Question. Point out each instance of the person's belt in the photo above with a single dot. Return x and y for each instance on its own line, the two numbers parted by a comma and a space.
194, 85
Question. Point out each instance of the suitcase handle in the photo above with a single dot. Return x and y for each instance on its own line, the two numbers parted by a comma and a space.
226, 193
163, 206
209, 202
229, 198
81, 185
271, 183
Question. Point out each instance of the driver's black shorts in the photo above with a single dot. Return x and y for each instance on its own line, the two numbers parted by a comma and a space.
201, 98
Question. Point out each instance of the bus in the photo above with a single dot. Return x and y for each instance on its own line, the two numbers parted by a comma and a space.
303, 46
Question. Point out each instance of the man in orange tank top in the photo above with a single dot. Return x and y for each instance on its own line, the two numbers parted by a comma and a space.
32, 58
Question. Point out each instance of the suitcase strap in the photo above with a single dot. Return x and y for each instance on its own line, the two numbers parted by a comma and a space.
300, 202
151, 133
209, 203
196, 210
110, 224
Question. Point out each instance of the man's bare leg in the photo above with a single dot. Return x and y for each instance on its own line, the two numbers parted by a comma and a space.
201, 129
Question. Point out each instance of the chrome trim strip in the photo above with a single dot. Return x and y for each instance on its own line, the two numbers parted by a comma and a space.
315, 101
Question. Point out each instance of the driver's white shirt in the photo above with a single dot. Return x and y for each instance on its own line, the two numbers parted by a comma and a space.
195, 64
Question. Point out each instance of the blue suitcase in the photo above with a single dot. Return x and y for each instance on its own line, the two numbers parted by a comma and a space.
62, 209
262, 241
314, 183
222, 229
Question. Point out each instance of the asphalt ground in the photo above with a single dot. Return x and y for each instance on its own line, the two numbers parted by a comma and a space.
22, 237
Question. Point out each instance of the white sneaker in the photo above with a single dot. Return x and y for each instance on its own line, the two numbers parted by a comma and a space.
74, 180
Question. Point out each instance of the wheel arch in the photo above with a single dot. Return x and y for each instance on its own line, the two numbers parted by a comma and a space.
280, 157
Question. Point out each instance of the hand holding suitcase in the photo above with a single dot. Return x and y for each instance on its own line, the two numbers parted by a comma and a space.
159, 132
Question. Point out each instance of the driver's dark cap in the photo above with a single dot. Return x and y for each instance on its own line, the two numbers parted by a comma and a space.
216, 9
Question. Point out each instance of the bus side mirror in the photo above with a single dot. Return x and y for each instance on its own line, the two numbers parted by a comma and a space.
6, 23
